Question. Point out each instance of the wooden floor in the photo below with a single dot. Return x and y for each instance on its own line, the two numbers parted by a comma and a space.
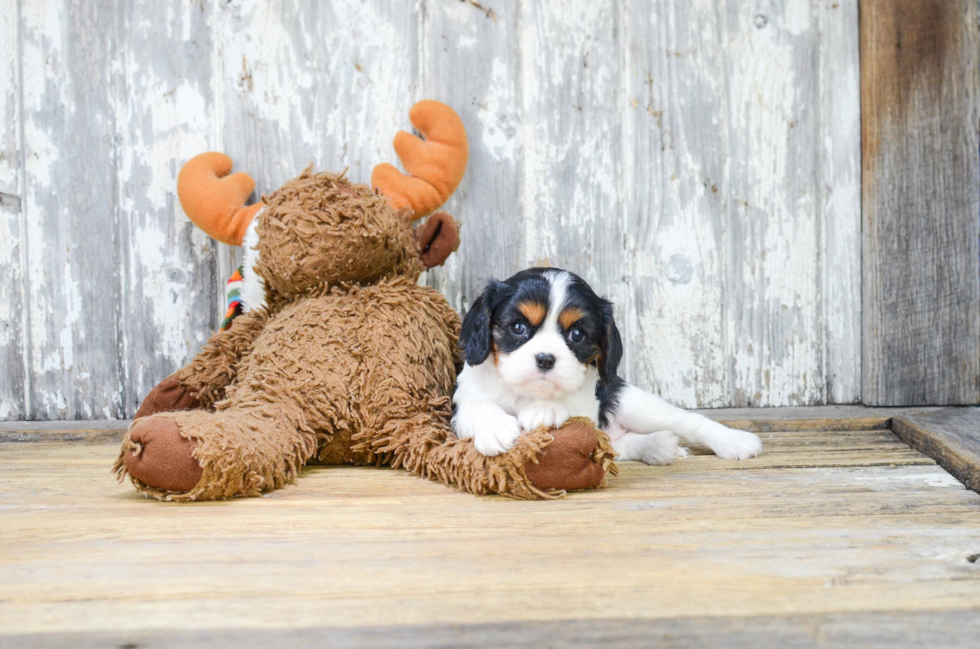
828, 525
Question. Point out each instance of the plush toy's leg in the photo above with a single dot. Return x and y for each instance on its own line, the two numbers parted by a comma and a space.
159, 457
578, 458
199, 455
542, 464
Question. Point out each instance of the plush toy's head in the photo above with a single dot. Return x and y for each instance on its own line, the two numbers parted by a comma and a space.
321, 229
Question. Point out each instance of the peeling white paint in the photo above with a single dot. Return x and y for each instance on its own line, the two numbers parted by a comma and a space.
699, 167
676, 329
797, 19
170, 299
11, 278
15, 376
333, 92
53, 301
840, 168
10, 274
502, 131
776, 343
9, 113
572, 157
169, 120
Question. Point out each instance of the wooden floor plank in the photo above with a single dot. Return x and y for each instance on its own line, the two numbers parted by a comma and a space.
848, 523
951, 436
763, 425
956, 629
830, 418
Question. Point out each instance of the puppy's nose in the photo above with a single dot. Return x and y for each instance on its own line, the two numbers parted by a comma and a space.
545, 361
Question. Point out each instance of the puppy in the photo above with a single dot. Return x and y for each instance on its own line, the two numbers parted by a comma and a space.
542, 347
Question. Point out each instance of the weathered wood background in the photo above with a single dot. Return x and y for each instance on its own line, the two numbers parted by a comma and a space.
698, 161
920, 202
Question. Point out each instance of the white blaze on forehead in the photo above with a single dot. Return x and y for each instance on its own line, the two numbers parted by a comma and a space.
558, 295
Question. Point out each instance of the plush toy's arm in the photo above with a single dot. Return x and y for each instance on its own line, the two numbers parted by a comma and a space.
202, 382
216, 365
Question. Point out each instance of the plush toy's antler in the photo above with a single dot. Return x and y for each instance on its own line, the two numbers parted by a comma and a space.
435, 165
213, 200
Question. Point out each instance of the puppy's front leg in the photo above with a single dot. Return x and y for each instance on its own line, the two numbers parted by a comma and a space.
643, 412
492, 429
549, 414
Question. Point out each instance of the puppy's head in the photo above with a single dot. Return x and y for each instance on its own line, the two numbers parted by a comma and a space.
544, 329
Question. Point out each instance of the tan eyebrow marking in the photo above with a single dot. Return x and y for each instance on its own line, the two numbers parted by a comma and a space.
570, 316
533, 311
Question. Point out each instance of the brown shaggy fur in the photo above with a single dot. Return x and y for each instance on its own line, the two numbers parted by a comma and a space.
313, 229
350, 362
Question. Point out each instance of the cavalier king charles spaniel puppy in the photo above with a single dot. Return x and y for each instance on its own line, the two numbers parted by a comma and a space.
542, 347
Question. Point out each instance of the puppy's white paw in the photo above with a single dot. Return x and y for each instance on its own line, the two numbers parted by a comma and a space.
732, 444
549, 414
493, 430
496, 434
659, 448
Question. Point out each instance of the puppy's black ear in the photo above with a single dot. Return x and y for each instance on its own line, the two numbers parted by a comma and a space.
611, 345
475, 335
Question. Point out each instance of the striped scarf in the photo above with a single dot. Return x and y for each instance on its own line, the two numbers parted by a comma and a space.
234, 294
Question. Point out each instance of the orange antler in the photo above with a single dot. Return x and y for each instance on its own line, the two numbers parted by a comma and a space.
213, 200
435, 165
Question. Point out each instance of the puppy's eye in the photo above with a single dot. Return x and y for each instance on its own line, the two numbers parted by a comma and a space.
518, 328
576, 335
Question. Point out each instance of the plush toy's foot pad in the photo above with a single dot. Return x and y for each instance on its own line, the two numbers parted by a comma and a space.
568, 463
162, 458
168, 396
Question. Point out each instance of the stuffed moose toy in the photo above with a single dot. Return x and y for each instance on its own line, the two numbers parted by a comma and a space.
339, 356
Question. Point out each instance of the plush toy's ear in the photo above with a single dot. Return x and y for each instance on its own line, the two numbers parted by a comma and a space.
435, 165
438, 239
215, 201
611, 346
476, 334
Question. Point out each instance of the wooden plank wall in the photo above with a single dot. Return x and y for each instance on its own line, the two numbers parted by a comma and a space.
13, 371
698, 162
921, 200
